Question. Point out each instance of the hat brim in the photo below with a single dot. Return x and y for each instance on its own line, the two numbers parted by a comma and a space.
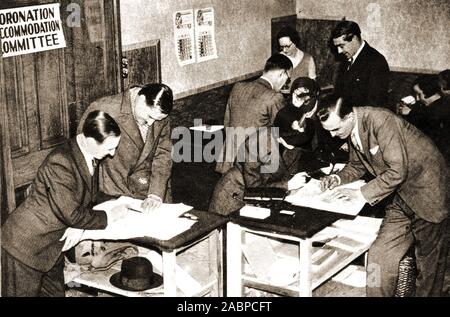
115, 280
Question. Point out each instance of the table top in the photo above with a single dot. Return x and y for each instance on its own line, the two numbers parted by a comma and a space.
207, 222
304, 223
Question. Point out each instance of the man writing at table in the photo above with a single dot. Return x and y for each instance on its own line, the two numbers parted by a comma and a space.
403, 162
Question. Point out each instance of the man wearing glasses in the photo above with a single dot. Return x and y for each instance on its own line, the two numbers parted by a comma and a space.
253, 105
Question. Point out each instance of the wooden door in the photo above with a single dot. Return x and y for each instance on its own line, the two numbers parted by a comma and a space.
44, 94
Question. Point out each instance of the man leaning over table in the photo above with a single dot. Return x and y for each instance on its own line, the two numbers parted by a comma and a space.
405, 162
142, 165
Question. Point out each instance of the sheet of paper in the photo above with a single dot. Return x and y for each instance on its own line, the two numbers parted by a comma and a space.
336, 168
352, 275
311, 196
162, 224
207, 128
255, 212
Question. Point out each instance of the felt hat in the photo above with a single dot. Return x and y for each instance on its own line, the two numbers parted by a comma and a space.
136, 274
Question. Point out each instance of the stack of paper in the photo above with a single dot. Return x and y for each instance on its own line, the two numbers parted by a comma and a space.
346, 243
352, 275
322, 257
163, 223
311, 196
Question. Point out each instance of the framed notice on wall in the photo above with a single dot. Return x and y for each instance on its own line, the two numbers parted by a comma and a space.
204, 34
183, 25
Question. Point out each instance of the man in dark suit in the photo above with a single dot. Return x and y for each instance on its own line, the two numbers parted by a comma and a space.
142, 165
406, 163
362, 78
261, 166
61, 197
252, 105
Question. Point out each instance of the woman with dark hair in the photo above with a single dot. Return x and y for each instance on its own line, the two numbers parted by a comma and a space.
288, 41
61, 196
296, 121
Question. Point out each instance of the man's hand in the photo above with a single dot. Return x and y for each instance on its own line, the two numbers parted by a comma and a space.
72, 236
297, 181
348, 194
329, 182
151, 203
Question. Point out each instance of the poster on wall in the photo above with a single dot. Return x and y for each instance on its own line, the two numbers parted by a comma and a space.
204, 34
183, 25
31, 29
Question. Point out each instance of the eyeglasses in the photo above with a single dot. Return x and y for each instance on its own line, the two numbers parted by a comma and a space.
282, 47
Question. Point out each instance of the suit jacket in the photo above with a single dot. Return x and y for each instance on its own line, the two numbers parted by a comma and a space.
60, 198
261, 167
366, 82
250, 105
403, 160
137, 169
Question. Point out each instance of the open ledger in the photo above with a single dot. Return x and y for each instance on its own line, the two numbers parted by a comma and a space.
163, 223
311, 196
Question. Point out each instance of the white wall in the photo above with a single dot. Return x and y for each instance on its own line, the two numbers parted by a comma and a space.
412, 34
243, 37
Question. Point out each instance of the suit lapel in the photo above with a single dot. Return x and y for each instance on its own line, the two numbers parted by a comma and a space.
152, 133
80, 162
126, 120
364, 137
359, 64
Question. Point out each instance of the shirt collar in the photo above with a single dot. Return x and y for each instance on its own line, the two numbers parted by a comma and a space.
265, 78
87, 157
354, 57
355, 131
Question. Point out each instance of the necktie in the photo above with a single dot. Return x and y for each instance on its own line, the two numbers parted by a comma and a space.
94, 180
350, 62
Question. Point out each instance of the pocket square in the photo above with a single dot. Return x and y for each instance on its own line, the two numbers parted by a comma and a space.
374, 150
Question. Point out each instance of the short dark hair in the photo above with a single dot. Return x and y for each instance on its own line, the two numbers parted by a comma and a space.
444, 78
347, 28
429, 84
158, 95
99, 125
332, 102
289, 32
308, 83
278, 61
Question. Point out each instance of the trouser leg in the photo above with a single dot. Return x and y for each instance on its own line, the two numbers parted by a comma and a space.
393, 241
53, 281
431, 254
19, 280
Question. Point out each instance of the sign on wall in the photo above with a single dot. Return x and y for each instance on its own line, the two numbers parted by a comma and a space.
184, 36
204, 34
194, 36
31, 29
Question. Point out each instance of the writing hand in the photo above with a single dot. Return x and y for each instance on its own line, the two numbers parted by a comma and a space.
348, 194
72, 236
329, 182
151, 203
298, 180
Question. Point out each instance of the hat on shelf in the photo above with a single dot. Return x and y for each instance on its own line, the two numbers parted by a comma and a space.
136, 274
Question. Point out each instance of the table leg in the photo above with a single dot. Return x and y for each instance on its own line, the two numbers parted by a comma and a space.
216, 261
305, 289
169, 264
234, 260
